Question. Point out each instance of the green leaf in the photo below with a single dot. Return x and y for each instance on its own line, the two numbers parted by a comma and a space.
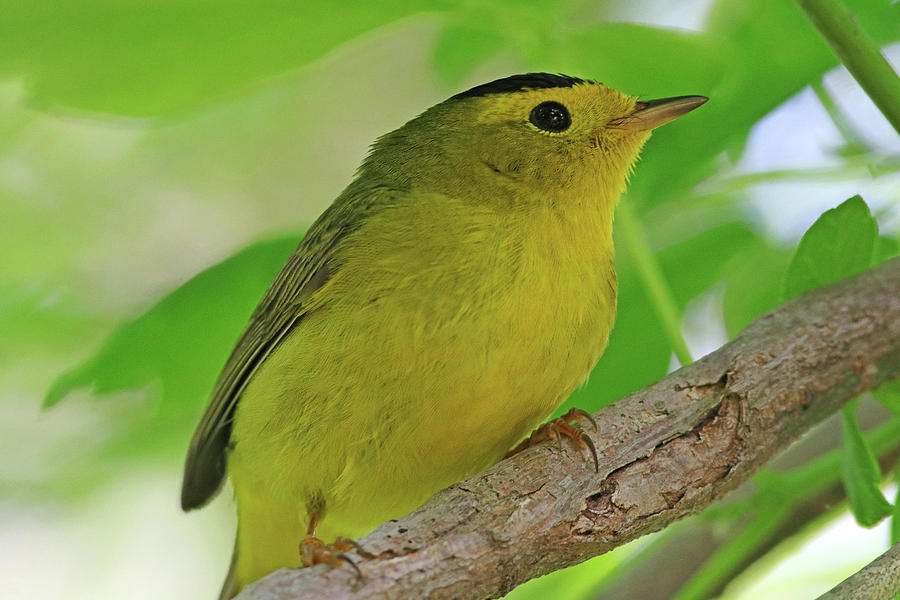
574, 582
461, 47
650, 61
708, 253
637, 354
839, 244
754, 284
750, 46
888, 395
886, 248
724, 562
895, 513
861, 474
150, 58
184, 339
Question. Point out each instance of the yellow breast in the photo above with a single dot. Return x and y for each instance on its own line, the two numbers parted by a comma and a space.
407, 375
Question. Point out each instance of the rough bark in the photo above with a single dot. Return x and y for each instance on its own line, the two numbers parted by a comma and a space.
661, 570
666, 452
878, 580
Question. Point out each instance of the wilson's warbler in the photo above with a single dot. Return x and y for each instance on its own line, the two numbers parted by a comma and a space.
452, 296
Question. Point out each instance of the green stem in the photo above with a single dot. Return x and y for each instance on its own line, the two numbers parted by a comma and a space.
778, 495
651, 275
895, 517
837, 117
825, 470
722, 564
852, 168
859, 53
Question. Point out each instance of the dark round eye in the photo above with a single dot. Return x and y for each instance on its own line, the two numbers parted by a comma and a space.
550, 116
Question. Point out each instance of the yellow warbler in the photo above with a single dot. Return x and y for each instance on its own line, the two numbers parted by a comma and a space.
452, 296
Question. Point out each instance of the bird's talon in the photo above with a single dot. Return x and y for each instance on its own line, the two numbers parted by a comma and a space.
347, 560
562, 426
314, 551
577, 412
343, 544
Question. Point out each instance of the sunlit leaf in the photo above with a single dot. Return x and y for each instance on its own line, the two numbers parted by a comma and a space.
754, 284
886, 248
183, 340
695, 265
574, 582
649, 61
895, 513
148, 58
758, 53
839, 244
637, 355
888, 395
861, 474
461, 47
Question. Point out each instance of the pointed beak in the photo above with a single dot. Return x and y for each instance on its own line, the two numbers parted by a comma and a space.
650, 114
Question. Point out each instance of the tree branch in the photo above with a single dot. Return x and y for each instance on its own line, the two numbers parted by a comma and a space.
666, 452
878, 580
665, 568
859, 53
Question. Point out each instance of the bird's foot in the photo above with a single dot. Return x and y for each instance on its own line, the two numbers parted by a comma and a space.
314, 551
559, 427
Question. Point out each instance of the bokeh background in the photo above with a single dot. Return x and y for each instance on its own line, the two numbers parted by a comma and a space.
159, 161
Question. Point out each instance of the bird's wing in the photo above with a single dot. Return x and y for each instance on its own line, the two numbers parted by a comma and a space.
281, 308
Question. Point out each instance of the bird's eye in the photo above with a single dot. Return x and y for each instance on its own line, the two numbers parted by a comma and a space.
550, 116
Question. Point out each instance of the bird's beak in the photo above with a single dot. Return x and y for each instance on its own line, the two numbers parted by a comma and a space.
650, 114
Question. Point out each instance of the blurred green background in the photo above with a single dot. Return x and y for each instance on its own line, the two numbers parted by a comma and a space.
159, 161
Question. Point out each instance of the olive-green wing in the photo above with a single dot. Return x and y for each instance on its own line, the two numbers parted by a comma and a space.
280, 310
204, 468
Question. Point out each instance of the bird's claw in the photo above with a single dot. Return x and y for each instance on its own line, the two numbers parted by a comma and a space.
314, 551
562, 427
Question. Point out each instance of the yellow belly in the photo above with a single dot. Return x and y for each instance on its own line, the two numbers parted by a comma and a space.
404, 379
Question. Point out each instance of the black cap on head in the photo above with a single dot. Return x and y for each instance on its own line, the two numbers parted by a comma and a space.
517, 83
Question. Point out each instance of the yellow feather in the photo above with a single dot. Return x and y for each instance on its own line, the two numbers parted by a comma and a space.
466, 290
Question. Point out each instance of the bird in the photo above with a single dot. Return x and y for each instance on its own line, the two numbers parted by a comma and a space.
442, 307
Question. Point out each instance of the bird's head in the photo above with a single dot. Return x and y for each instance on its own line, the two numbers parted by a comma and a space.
525, 138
